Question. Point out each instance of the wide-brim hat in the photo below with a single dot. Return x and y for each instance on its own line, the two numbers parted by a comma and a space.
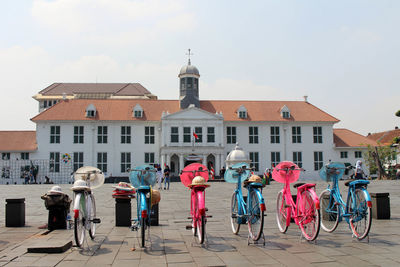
198, 181
124, 186
55, 190
80, 185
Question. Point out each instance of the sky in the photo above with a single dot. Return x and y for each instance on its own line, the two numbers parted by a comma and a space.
344, 55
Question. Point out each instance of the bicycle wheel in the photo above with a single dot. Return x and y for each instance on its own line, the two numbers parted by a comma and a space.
256, 217
201, 229
360, 218
234, 214
329, 211
143, 232
282, 213
79, 223
92, 228
308, 216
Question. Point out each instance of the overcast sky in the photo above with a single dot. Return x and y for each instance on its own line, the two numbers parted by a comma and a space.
343, 54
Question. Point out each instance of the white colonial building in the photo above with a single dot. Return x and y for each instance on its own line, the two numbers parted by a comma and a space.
118, 126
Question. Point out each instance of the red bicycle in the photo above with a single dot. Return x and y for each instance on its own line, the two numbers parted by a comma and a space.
195, 176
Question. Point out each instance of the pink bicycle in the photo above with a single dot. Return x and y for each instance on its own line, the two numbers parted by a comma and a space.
305, 211
195, 176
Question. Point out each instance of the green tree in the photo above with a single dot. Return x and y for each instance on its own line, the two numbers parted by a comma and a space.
397, 113
377, 157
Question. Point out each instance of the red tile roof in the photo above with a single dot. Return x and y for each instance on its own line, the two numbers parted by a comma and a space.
18, 141
347, 138
118, 89
384, 138
121, 110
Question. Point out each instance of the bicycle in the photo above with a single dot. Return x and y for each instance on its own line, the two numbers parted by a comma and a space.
86, 179
305, 211
195, 176
250, 210
143, 178
357, 209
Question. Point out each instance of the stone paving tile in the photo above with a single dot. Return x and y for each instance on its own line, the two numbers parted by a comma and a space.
208, 261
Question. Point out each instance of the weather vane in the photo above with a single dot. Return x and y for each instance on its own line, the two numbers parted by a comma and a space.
189, 54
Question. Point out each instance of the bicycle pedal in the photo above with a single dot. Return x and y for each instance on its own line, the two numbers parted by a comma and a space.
189, 218
189, 227
96, 220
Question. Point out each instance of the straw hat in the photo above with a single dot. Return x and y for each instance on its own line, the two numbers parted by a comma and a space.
124, 186
253, 179
198, 180
155, 196
55, 190
80, 185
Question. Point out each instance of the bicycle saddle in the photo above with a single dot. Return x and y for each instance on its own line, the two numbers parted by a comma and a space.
298, 184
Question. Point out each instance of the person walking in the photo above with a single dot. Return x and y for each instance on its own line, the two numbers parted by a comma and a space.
166, 177
159, 176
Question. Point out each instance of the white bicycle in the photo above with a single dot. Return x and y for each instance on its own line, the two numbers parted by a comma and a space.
86, 179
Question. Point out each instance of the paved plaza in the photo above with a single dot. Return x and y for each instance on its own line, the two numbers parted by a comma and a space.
173, 245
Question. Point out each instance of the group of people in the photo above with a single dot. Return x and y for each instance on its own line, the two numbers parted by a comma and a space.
163, 176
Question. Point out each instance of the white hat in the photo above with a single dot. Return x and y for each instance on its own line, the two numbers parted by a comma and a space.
55, 190
80, 185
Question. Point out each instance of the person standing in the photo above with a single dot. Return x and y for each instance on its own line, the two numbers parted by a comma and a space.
166, 177
222, 172
359, 172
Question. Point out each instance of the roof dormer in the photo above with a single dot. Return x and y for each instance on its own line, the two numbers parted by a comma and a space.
138, 111
91, 111
242, 112
285, 112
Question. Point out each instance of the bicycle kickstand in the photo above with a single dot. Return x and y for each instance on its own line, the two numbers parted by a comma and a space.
256, 242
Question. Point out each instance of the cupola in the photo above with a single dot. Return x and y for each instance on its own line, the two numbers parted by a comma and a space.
189, 85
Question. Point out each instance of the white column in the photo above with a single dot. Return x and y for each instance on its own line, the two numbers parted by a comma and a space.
204, 160
181, 162
217, 163
162, 161
168, 160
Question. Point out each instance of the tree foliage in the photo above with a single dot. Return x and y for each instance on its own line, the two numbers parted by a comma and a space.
378, 159
397, 113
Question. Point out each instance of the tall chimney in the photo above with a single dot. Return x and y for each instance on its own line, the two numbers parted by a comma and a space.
305, 98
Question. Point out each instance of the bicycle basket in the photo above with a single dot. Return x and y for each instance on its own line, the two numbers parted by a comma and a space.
232, 174
144, 175
95, 175
332, 171
191, 171
286, 172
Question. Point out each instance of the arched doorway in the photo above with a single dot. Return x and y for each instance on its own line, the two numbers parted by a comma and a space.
211, 163
174, 164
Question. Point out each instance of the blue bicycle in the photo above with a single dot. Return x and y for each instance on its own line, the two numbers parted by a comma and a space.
357, 209
143, 178
251, 210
